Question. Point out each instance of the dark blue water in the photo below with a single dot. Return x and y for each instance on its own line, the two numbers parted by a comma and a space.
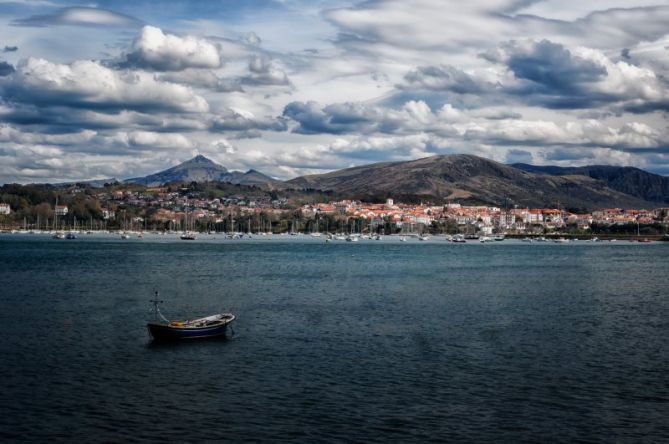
367, 342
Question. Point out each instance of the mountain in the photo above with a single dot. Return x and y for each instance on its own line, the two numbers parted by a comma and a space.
251, 177
202, 169
628, 180
471, 179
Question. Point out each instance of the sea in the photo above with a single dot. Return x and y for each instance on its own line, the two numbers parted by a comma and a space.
370, 341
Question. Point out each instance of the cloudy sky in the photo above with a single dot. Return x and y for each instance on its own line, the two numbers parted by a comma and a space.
289, 87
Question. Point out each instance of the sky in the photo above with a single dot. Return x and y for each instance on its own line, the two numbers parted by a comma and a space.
291, 87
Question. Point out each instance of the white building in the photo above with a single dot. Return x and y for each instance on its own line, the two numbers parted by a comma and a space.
108, 214
61, 210
5, 209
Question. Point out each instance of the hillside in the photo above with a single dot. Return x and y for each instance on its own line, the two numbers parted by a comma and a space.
628, 180
471, 179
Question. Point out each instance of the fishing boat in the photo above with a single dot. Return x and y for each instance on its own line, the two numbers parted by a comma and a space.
163, 329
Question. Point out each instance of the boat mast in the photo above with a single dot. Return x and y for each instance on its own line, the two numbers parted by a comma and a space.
55, 216
155, 301
186, 221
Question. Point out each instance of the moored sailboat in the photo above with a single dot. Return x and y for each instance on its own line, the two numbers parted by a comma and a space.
187, 235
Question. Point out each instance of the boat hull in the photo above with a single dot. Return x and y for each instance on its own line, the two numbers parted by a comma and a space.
163, 332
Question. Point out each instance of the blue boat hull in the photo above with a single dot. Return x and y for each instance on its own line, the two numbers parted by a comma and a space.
162, 332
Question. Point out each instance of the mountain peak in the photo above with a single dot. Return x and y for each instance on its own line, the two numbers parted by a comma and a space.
201, 159
203, 169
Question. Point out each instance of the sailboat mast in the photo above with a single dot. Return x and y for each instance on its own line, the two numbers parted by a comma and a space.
55, 216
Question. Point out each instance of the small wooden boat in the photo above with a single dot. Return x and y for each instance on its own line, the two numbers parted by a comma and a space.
206, 327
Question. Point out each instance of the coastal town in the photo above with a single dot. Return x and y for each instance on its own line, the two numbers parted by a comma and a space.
181, 209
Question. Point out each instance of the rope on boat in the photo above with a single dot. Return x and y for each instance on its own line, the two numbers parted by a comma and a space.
163, 317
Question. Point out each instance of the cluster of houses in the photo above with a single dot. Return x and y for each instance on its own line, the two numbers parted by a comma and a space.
485, 218
171, 206
167, 206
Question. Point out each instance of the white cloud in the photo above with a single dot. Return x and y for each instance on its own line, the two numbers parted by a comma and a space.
80, 16
152, 49
264, 71
89, 84
378, 80
633, 135
156, 140
223, 145
385, 27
